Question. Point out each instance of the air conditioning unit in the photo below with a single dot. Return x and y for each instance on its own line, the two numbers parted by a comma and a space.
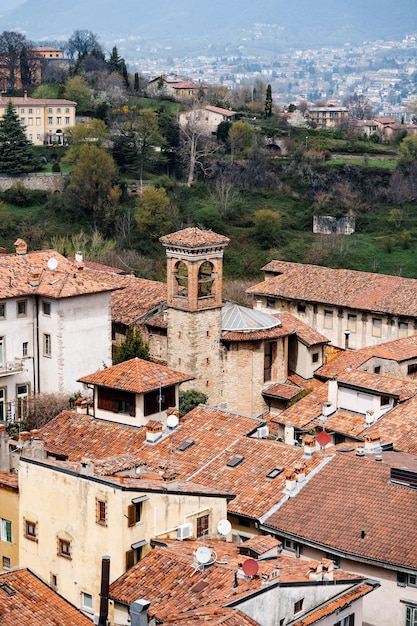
262, 432
184, 531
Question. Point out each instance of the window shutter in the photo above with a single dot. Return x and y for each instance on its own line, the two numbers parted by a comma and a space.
130, 559
131, 515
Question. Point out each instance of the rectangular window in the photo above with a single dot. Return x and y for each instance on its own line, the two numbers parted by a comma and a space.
134, 512
315, 357
291, 545
38, 122
30, 111
6, 530
412, 369
22, 393
377, 369
53, 580
25, 348
30, 121
385, 400
351, 322
21, 308
270, 303
87, 601
301, 308
30, 530
67, 121
328, 319
402, 329
50, 120
2, 310
376, 327
59, 120
23, 121
46, 308
58, 110
2, 358
203, 526
349, 620
6, 563
50, 110
158, 400
22, 111
298, 606
120, 402
269, 352
67, 110
64, 548
38, 111
101, 512
47, 347
3, 403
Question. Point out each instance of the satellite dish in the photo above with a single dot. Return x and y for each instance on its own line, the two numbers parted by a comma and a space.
172, 421
224, 527
250, 567
52, 263
203, 555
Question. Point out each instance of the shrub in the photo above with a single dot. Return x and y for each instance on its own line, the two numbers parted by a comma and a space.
190, 399
18, 195
56, 167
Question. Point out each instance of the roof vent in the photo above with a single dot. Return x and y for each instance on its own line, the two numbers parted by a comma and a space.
360, 451
404, 477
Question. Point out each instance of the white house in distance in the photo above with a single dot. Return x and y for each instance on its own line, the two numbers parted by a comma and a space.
207, 117
54, 314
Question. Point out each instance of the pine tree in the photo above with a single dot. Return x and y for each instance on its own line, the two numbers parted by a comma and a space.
268, 102
133, 346
16, 151
136, 83
114, 64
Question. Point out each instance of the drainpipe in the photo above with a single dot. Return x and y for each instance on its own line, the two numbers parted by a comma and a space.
36, 357
104, 591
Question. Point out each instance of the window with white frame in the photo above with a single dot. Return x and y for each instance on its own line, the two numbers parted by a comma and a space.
411, 616
349, 620
6, 530
46, 307
351, 322
47, 345
50, 120
25, 348
87, 601
3, 403
2, 358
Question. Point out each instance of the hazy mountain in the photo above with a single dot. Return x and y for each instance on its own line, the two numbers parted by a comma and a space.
186, 24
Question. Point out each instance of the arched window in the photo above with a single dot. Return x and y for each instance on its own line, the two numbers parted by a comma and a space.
181, 276
205, 279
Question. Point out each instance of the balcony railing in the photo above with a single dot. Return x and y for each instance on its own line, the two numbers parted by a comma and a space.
11, 367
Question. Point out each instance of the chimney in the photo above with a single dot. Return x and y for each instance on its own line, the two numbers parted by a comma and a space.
21, 246
4, 449
309, 443
289, 433
300, 471
34, 279
332, 396
347, 333
153, 431
87, 467
372, 442
78, 257
25, 94
37, 446
139, 613
328, 569
315, 570
3, 250
258, 305
290, 479
104, 591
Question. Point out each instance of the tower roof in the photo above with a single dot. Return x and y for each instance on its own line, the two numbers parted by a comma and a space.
242, 319
193, 237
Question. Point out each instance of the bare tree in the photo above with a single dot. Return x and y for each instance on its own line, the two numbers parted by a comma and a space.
195, 146
360, 107
11, 46
82, 42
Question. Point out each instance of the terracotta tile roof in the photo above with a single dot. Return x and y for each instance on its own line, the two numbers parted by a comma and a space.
137, 298
336, 605
136, 375
34, 603
360, 492
34, 102
9, 480
17, 276
283, 391
305, 410
340, 287
307, 335
398, 427
100, 267
193, 237
76, 435
311, 383
399, 387
397, 350
216, 435
166, 577
226, 112
256, 335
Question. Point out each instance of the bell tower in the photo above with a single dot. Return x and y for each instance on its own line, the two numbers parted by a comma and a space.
194, 300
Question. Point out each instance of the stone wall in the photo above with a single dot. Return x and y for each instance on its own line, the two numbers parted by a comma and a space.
43, 182
327, 225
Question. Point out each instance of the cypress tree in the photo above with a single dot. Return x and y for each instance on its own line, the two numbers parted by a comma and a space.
268, 102
16, 151
136, 83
